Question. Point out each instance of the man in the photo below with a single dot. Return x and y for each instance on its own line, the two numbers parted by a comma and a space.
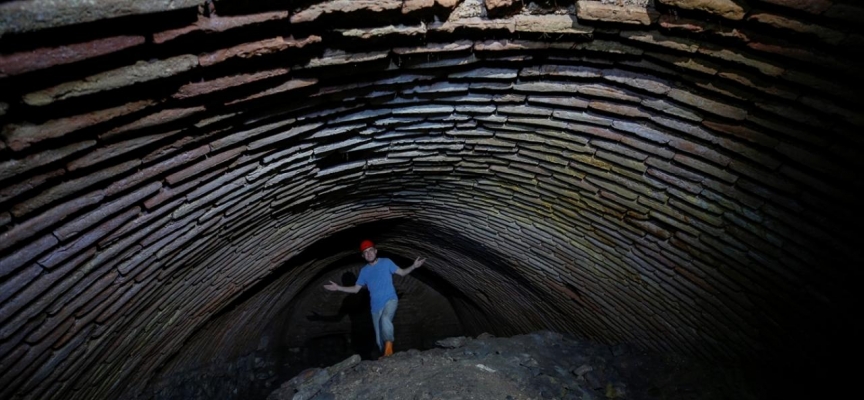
377, 276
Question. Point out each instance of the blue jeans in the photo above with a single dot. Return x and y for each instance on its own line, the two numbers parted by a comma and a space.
383, 322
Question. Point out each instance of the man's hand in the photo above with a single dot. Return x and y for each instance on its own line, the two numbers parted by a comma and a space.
418, 262
332, 286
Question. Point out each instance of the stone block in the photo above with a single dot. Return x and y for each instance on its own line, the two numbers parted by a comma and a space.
140, 72
671, 109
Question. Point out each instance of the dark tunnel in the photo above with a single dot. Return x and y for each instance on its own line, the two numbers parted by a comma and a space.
179, 179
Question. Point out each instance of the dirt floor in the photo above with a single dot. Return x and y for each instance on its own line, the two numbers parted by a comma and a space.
542, 365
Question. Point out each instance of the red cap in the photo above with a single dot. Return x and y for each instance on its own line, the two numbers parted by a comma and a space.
366, 244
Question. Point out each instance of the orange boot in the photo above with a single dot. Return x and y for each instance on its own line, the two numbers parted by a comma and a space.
388, 349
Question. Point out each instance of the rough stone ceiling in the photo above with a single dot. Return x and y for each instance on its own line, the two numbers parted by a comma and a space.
679, 174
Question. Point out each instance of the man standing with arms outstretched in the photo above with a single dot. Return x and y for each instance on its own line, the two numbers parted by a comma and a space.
377, 276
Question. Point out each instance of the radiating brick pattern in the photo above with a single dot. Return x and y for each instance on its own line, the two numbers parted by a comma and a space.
679, 177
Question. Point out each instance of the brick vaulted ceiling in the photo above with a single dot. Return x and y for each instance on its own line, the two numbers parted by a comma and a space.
677, 174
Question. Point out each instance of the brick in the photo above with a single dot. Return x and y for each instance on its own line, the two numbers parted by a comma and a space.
125, 76
384, 32
342, 7
278, 137
157, 169
651, 228
674, 170
525, 110
288, 86
256, 49
13, 261
626, 162
12, 191
748, 60
34, 60
85, 221
724, 8
637, 80
58, 213
582, 117
341, 57
750, 152
705, 104
560, 24
211, 162
660, 40
545, 87
825, 34
642, 131
20, 137
15, 167
116, 150
569, 71
485, 73
620, 13
675, 181
671, 109
217, 23
742, 132
79, 245
760, 175
568, 102
680, 126
199, 88
699, 150
425, 110
812, 160
687, 62
810, 6
731, 192
620, 109
71, 187
705, 167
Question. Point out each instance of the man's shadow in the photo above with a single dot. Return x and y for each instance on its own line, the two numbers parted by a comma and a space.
361, 336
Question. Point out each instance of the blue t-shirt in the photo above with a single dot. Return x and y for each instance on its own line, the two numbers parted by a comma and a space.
378, 279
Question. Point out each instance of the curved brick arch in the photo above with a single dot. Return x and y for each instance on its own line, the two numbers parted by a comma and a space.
679, 175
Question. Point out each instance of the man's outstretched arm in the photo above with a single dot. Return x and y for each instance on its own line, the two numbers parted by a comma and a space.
333, 287
417, 263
